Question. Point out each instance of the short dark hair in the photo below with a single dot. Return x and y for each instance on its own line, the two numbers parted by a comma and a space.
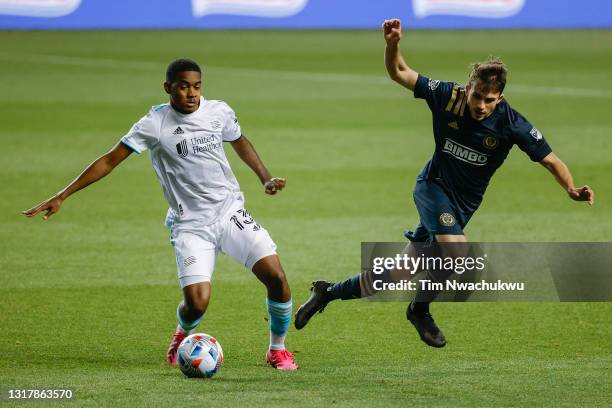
178, 66
491, 73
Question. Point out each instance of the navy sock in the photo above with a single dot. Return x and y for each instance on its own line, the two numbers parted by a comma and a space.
420, 307
347, 289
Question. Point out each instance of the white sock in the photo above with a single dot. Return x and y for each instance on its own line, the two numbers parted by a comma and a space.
277, 342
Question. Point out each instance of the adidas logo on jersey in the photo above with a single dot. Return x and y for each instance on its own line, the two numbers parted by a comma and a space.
178, 131
454, 125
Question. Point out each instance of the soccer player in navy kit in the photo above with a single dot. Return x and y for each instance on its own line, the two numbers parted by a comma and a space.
474, 129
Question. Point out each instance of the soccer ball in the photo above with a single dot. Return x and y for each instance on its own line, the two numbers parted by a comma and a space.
200, 355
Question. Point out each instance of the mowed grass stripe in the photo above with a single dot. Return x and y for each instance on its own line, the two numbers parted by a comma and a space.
274, 75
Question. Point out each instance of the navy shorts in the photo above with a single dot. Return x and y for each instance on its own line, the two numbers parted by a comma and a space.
437, 212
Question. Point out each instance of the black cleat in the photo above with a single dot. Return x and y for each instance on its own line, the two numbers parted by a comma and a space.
316, 303
427, 328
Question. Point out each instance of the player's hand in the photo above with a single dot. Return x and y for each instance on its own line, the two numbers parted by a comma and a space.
274, 184
392, 30
51, 206
584, 193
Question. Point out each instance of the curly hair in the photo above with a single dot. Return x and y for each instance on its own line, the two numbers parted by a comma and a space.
178, 66
491, 74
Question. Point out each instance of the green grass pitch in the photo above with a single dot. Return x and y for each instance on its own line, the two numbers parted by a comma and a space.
88, 298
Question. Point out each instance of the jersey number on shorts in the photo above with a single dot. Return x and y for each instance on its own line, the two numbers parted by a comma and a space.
244, 219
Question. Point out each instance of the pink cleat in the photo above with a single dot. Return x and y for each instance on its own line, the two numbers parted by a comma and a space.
281, 360
172, 355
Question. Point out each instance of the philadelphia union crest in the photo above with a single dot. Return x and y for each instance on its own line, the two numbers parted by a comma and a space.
490, 142
447, 219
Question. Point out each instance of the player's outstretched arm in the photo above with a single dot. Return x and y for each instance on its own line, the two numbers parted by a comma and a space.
564, 177
247, 153
94, 172
397, 68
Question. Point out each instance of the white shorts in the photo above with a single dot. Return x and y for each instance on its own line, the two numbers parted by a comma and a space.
235, 234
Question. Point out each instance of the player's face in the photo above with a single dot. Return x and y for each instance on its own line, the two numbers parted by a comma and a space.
185, 91
481, 102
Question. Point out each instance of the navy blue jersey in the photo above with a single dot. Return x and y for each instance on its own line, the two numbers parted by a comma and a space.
468, 152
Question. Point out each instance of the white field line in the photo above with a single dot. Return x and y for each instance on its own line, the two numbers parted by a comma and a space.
278, 74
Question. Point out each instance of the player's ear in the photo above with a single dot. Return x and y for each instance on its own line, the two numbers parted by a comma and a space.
500, 98
167, 86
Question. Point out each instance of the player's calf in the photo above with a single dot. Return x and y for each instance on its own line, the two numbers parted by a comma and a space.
270, 272
189, 314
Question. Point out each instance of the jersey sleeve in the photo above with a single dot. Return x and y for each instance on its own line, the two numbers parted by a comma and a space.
436, 93
528, 138
143, 135
231, 128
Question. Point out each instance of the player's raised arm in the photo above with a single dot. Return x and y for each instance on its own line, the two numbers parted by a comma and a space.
247, 153
564, 177
94, 172
397, 68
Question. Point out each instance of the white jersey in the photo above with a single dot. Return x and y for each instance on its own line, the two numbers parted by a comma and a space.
188, 157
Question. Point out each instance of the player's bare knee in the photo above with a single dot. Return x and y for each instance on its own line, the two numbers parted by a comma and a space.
270, 272
275, 279
276, 284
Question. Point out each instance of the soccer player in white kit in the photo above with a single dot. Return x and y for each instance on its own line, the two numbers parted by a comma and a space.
207, 214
